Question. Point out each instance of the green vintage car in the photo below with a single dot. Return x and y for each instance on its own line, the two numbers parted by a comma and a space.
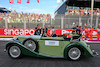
48, 47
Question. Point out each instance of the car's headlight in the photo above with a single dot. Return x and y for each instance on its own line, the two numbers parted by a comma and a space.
88, 46
15, 38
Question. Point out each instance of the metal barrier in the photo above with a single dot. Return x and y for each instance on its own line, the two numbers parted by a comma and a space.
66, 22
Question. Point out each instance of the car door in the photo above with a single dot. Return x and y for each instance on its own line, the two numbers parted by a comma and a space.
51, 46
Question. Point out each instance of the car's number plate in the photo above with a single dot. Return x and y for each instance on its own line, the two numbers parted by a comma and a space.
51, 43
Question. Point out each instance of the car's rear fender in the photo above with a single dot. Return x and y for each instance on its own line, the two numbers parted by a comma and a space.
86, 50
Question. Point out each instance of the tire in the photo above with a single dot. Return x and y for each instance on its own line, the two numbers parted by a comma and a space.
31, 44
74, 53
14, 52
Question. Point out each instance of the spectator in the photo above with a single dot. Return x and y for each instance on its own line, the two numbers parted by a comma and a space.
86, 33
78, 30
37, 30
90, 33
98, 33
98, 13
81, 31
80, 11
19, 17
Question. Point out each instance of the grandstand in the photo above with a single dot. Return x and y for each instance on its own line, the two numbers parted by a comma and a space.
76, 4
78, 11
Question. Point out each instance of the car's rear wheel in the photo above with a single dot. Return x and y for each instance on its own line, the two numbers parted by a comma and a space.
74, 53
31, 44
14, 51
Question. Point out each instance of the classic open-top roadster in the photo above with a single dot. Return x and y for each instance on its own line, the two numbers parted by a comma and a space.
48, 47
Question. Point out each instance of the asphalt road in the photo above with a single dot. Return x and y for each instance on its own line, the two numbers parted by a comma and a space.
26, 61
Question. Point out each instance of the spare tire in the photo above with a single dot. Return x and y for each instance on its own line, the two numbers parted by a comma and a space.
31, 44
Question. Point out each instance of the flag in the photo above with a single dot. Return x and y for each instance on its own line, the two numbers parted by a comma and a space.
38, 1
19, 1
11, 1
28, 1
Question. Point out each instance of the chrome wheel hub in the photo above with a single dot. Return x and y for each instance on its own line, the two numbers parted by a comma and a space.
15, 51
30, 44
74, 53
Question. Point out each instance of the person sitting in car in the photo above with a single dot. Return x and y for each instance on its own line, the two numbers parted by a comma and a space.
67, 34
45, 31
53, 33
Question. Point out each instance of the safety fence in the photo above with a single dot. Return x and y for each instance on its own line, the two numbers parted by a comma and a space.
59, 22
66, 21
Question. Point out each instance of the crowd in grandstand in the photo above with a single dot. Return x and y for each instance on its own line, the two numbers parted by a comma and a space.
82, 12
28, 17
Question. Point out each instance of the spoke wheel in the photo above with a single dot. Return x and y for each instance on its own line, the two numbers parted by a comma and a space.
14, 52
30, 44
74, 53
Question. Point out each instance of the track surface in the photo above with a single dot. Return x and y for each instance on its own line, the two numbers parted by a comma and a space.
26, 61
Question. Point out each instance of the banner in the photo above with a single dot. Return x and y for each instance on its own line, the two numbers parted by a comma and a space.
31, 31
11, 1
28, 1
19, 1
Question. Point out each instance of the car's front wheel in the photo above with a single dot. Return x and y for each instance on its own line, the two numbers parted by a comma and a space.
14, 51
74, 53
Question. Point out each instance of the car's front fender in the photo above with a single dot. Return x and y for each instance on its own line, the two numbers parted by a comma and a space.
86, 49
12, 42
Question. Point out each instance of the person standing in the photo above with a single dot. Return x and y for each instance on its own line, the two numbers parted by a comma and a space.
81, 31
45, 31
98, 33
73, 28
90, 33
78, 30
86, 33
37, 30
